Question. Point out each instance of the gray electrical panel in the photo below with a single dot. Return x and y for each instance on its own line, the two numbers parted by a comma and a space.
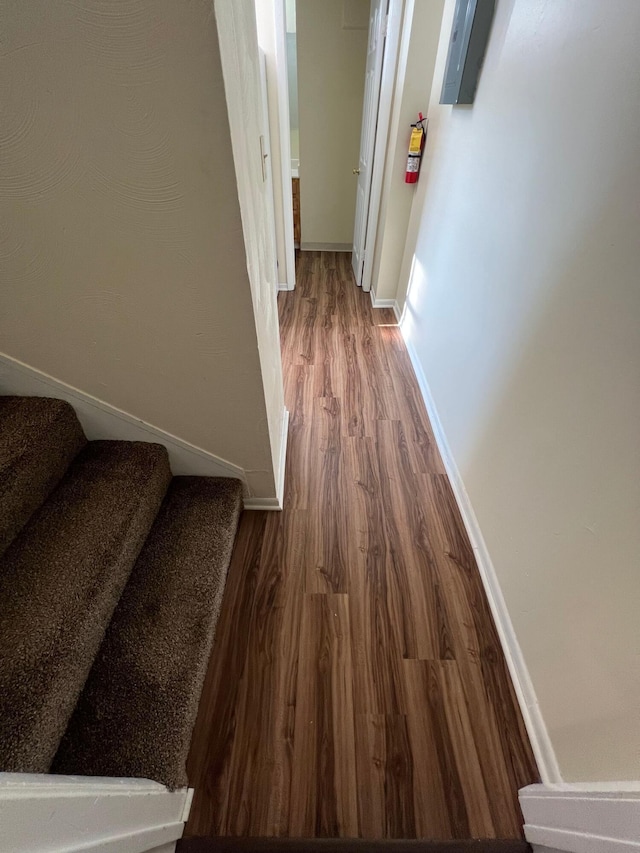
469, 37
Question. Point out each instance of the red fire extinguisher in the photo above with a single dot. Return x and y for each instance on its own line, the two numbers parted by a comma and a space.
416, 147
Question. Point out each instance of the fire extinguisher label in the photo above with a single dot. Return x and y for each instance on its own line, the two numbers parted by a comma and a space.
415, 143
413, 164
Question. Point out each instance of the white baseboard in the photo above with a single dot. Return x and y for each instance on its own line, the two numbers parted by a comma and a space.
276, 503
262, 504
282, 285
534, 722
79, 814
383, 303
569, 818
101, 420
326, 247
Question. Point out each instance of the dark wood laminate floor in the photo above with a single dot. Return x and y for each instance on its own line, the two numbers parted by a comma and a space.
357, 686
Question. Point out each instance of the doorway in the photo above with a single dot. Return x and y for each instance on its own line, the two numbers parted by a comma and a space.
337, 54
331, 48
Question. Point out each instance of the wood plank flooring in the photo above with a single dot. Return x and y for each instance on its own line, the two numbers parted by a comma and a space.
357, 687
244, 844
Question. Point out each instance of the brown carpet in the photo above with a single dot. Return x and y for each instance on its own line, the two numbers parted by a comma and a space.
347, 845
138, 708
39, 439
60, 581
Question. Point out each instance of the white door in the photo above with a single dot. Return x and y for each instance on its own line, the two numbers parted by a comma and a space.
267, 175
373, 75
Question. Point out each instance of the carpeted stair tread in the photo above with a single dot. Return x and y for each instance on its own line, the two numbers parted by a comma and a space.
39, 438
136, 713
60, 581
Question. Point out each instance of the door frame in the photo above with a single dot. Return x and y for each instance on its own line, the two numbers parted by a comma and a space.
378, 25
267, 160
285, 141
385, 103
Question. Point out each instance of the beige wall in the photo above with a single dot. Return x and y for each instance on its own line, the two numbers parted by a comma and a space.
524, 311
123, 264
331, 66
416, 62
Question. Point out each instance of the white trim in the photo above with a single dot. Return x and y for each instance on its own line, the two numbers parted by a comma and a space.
574, 788
282, 461
263, 504
78, 814
570, 819
266, 160
385, 100
282, 84
140, 841
282, 285
19, 785
276, 503
532, 715
102, 420
544, 839
326, 247
186, 811
394, 119
382, 303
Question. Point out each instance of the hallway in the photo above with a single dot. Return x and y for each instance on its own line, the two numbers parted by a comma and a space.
357, 686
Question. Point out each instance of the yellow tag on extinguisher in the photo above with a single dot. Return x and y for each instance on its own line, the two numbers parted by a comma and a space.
415, 143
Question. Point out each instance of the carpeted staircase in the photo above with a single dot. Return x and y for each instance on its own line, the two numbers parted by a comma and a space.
111, 579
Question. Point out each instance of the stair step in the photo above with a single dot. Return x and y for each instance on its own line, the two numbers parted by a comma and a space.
220, 844
136, 713
39, 438
60, 581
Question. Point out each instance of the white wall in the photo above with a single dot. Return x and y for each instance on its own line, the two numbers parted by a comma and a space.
524, 313
332, 44
123, 263
416, 63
